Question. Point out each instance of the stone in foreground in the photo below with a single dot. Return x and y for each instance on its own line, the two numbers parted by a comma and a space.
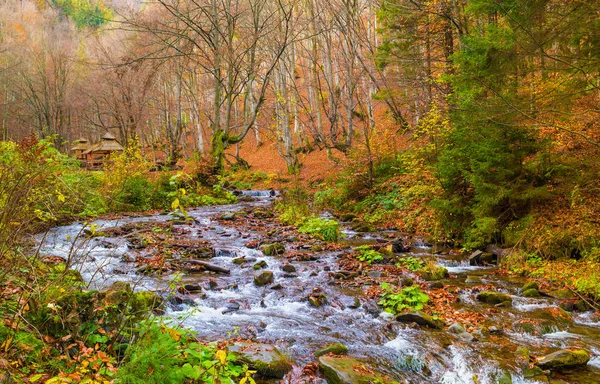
264, 358
565, 358
347, 370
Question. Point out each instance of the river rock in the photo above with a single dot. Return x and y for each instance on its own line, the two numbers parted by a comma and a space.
434, 273
232, 306
335, 348
347, 217
273, 249
227, 216
239, 260
263, 278
565, 358
362, 227
317, 299
530, 285
264, 358
491, 297
261, 264
420, 318
341, 370
289, 268
532, 292
436, 285
456, 328
473, 280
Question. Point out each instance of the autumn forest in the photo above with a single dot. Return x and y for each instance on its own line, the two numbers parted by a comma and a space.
300, 191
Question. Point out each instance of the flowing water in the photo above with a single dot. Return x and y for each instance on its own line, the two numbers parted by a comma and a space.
283, 317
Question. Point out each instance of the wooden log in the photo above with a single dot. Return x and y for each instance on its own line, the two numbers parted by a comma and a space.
207, 266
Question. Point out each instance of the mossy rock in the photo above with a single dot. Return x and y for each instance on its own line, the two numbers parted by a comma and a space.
342, 370
117, 293
564, 359
317, 300
421, 319
491, 297
362, 227
263, 278
473, 280
267, 360
335, 348
273, 249
144, 302
530, 285
347, 217
434, 274
261, 264
562, 294
531, 292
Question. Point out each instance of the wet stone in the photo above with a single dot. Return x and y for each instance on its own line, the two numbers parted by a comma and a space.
421, 319
564, 359
491, 297
267, 360
263, 278
261, 264
288, 268
335, 348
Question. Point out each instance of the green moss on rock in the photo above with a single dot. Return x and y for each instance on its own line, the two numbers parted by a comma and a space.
491, 297
335, 348
264, 358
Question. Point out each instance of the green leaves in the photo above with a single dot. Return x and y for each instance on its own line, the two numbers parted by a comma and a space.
368, 255
396, 302
324, 229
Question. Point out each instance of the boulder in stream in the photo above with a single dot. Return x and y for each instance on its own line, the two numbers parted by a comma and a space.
267, 360
289, 268
347, 370
491, 297
565, 358
263, 278
261, 264
317, 299
421, 319
273, 249
335, 348
434, 273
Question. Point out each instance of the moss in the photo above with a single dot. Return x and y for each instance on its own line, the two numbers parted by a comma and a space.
532, 292
564, 359
341, 370
273, 249
335, 348
491, 297
434, 273
530, 285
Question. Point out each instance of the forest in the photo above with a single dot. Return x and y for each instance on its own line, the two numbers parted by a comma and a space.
285, 191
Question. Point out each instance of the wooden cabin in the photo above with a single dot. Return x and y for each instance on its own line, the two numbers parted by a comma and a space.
78, 150
96, 155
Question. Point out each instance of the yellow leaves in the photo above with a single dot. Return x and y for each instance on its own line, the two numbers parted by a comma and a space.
175, 204
35, 378
172, 332
222, 356
6, 344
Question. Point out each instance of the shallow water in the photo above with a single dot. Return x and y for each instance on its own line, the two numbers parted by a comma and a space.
283, 317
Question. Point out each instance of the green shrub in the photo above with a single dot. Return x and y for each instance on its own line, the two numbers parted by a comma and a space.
136, 193
396, 302
324, 229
